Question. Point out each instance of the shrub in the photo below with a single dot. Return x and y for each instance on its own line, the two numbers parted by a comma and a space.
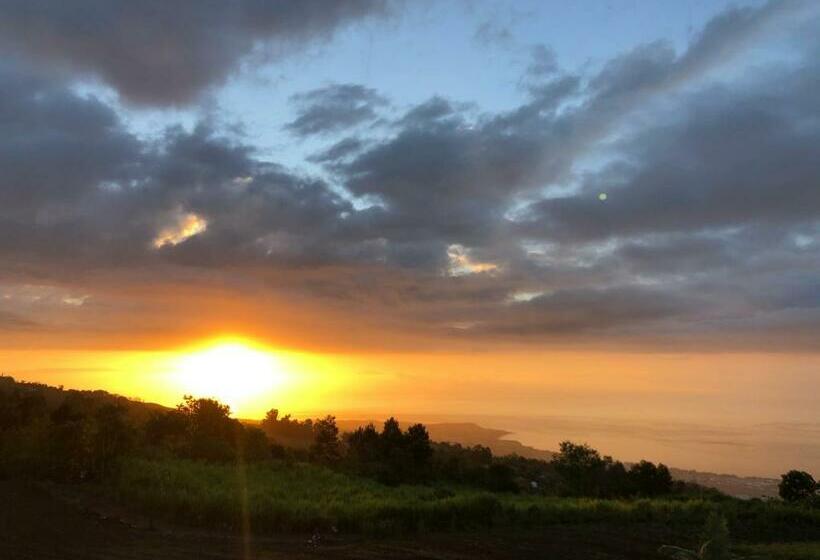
797, 486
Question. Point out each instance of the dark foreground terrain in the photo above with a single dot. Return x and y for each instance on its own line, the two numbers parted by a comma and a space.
36, 524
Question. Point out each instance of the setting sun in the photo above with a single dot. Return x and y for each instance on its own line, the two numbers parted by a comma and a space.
234, 372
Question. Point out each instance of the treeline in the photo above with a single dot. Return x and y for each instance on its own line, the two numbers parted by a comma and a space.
77, 435
82, 437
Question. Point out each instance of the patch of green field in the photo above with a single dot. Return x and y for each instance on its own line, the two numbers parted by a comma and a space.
283, 497
783, 551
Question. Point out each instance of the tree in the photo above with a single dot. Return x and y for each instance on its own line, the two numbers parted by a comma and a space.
255, 444
19, 407
649, 480
581, 467
110, 438
325, 449
288, 431
616, 481
391, 435
212, 433
207, 416
416, 443
396, 462
392, 456
167, 429
797, 486
364, 451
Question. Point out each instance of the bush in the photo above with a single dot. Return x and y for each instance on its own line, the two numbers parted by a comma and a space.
796, 486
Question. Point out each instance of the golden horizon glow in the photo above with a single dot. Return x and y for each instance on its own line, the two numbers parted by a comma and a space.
234, 371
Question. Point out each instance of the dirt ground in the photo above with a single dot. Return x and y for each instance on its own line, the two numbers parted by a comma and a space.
37, 525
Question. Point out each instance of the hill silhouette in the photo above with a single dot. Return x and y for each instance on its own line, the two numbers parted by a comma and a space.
467, 434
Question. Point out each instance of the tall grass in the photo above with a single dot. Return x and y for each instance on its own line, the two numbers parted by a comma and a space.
302, 497
783, 551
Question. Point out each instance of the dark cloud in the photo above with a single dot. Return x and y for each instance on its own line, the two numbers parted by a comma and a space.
156, 52
444, 172
78, 190
446, 219
572, 311
706, 169
55, 146
333, 108
664, 256
340, 150
435, 110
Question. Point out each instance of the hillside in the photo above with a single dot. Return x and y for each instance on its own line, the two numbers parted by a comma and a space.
464, 433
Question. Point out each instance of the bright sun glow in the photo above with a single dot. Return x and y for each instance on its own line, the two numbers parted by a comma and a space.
233, 372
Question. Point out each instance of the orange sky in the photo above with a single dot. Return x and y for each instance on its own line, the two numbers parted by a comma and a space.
445, 224
714, 387
722, 412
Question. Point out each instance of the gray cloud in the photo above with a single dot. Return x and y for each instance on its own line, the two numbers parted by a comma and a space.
155, 52
339, 151
710, 228
705, 170
56, 146
573, 311
333, 108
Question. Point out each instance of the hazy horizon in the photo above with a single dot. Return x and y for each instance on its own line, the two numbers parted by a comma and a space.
679, 428
602, 212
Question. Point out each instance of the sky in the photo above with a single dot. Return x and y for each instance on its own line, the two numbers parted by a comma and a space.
482, 209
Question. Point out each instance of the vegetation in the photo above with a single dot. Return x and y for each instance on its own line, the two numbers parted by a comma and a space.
782, 551
798, 486
585, 473
715, 543
284, 496
196, 465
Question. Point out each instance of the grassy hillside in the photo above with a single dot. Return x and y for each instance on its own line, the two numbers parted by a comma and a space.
280, 497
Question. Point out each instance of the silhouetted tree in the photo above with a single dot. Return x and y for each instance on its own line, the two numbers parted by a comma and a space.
212, 433
255, 444
288, 431
19, 407
616, 482
86, 438
111, 437
650, 480
581, 467
391, 435
364, 452
166, 429
797, 486
325, 449
417, 441
391, 456
585, 473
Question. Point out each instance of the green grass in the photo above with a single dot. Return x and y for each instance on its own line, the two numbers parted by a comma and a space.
302, 497
298, 497
783, 551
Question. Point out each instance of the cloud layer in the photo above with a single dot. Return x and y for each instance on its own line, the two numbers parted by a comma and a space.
440, 221
156, 52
